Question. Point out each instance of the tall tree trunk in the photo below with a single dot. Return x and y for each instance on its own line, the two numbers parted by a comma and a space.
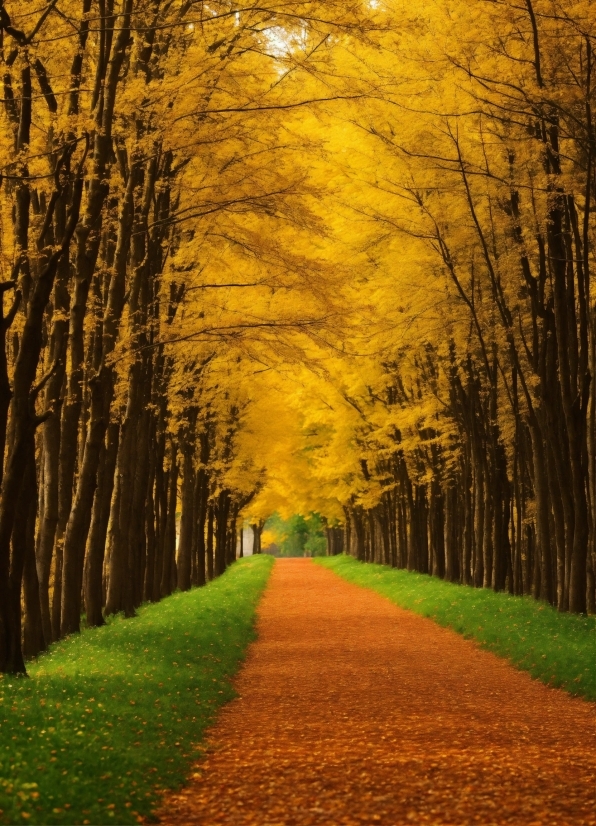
52, 428
210, 560
187, 517
94, 561
150, 532
169, 555
201, 493
23, 428
161, 512
360, 532
450, 536
221, 534
33, 636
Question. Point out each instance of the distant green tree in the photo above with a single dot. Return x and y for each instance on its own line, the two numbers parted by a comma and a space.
298, 535
316, 542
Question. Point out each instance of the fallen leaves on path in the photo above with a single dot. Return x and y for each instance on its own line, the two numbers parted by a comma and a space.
354, 711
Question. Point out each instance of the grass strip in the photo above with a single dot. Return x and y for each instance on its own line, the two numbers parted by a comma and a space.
558, 649
112, 716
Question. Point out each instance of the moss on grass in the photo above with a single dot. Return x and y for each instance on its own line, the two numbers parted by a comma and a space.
558, 649
112, 716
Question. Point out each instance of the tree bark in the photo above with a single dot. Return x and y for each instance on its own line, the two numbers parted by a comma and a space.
94, 561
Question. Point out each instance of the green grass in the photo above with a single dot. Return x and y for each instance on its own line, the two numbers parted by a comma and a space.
112, 716
558, 649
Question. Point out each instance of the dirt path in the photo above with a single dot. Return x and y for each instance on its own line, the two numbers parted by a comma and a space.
354, 711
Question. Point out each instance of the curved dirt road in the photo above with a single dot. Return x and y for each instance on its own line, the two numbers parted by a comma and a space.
354, 711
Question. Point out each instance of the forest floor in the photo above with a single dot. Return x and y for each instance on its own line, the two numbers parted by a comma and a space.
352, 710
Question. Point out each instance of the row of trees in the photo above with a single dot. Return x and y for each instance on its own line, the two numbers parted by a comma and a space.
453, 430
333, 258
474, 443
143, 178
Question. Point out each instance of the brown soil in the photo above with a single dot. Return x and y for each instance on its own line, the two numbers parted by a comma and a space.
354, 711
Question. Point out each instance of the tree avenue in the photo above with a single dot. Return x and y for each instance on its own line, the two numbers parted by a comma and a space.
297, 257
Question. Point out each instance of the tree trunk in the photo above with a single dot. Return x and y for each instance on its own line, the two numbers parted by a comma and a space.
33, 636
210, 560
169, 556
201, 493
22, 441
94, 560
221, 534
187, 517
450, 537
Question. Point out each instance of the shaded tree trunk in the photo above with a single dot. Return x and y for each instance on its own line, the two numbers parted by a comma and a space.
94, 560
